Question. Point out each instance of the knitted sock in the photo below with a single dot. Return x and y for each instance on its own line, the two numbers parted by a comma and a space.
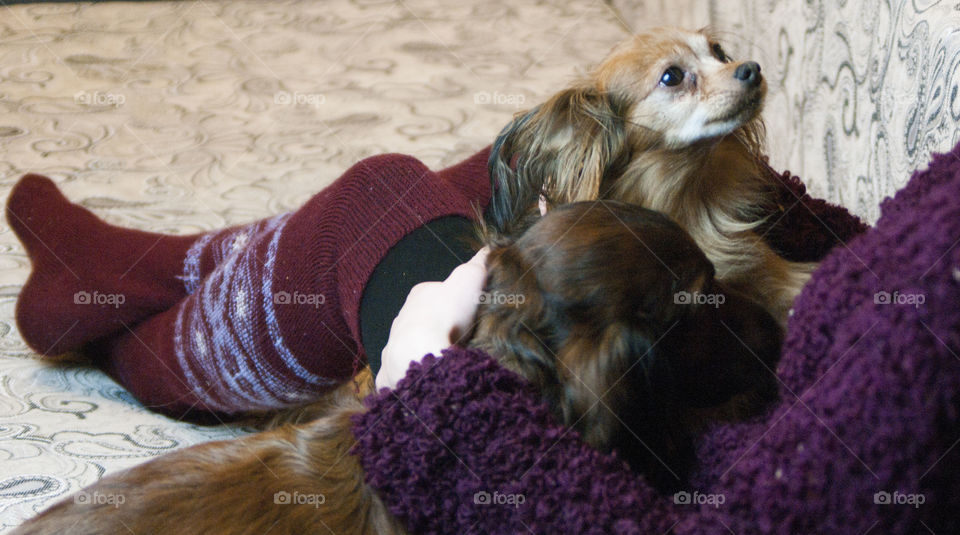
246, 319
257, 333
89, 278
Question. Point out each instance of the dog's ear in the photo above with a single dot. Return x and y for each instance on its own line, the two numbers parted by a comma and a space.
512, 322
622, 398
598, 371
563, 149
511, 195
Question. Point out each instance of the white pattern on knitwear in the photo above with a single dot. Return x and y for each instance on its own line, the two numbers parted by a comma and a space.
217, 340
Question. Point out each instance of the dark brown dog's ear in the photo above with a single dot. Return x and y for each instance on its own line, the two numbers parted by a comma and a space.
623, 399
512, 322
562, 149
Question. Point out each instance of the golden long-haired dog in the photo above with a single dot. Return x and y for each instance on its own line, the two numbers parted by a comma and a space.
598, 332
669, 122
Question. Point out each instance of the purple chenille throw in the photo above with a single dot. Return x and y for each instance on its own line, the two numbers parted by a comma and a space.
863, 440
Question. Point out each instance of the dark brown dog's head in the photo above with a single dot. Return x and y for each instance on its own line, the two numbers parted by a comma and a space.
613, 313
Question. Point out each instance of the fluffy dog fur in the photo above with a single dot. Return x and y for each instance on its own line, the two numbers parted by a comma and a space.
602, 336
598, 332
666, 121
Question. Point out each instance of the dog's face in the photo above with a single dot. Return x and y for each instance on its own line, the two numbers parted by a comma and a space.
612, 311
682, 85
659, 110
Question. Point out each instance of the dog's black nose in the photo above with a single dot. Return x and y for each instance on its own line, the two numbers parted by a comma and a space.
748, 73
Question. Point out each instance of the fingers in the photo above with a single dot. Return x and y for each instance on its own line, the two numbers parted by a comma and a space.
481, 257
434, 315
468, 278
471, 268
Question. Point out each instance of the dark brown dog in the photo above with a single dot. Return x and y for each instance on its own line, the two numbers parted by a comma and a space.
584, 305
626, 331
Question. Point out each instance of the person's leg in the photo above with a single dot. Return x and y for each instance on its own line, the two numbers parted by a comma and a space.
226, 322
268, 314
275, 324
235, 344
91, 279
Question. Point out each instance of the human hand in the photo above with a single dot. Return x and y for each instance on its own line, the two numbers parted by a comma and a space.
435, 316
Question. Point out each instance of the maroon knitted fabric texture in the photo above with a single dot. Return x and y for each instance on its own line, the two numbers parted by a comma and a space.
254, 317
89, 278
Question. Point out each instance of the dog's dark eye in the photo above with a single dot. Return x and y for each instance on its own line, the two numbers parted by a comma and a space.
719, 53
672, 76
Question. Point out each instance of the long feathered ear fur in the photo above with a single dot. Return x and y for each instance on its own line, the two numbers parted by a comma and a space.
562, 149
512, 323
623, 398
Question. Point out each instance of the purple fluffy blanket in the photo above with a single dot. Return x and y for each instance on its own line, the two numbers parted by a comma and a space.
864, 439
